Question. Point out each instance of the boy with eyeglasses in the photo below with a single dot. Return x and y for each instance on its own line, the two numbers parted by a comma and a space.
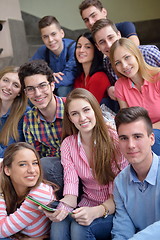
43, 124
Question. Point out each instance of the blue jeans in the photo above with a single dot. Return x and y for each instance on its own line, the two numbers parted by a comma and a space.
63, 91
69, 229
156, 146
53, 172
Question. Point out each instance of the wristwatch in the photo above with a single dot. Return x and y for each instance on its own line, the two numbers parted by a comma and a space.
106, 213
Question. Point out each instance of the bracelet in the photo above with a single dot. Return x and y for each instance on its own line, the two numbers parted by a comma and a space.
65, 206
106, 213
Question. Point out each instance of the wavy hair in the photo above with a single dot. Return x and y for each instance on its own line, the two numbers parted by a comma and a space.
146, 71
10, 128
7, 188
104, 150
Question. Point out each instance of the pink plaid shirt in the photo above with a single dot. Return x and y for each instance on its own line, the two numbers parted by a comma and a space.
76, 165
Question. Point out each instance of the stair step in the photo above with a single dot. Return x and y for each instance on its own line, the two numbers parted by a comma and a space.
34, 39
32, 49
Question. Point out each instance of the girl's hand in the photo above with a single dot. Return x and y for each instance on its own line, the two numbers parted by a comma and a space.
85, 215
56, 216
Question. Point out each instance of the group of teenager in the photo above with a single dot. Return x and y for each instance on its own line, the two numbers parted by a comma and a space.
57, 147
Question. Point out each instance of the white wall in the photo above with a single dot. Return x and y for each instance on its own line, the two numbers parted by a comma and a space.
68, 15
10, 9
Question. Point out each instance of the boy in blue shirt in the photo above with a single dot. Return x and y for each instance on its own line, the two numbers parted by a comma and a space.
58, 52
93, 10
137, 187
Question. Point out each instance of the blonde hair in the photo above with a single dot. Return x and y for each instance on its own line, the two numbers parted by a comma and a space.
104, 149
146, 71
10, 128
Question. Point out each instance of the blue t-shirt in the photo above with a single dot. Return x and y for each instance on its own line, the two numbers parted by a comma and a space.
126, 29
64, 63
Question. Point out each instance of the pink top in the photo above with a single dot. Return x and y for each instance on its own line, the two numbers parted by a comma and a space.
76, 165
96, 84
149, 97
28, 218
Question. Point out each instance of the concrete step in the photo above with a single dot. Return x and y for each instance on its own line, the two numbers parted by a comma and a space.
34, 39
6, 61
32, 49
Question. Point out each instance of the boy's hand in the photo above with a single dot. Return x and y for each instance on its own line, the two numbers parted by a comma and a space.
58, 76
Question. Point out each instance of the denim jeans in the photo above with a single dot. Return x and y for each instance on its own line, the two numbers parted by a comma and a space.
69, 229
5, 238
63, 91
156, 146
53, 172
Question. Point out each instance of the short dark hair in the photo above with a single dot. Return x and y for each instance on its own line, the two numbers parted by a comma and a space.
35, 67
47, 21
131, 114
101, 23
88, 3
97, 63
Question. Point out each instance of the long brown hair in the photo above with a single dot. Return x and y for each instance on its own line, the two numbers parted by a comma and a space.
11, 198
10, 128
103, 146
146, 71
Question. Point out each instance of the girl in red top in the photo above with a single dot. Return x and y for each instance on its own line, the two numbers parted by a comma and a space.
91, 75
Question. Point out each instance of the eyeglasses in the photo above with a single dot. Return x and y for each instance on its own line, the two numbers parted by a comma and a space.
30, 90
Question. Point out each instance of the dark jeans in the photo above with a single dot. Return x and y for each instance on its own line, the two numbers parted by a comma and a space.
53, 172
63, 91
69, 229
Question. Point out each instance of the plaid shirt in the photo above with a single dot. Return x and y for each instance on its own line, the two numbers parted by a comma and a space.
151, 56
44, 136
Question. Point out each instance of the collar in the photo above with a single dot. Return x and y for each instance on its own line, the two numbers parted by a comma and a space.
152, 174
107, 60
132, 84
79, 139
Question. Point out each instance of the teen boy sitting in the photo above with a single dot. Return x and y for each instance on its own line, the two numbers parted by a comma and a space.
93, 10
58, 52
137, 187
42, 125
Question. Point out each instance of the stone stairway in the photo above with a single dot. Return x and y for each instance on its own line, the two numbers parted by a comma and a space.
33, 35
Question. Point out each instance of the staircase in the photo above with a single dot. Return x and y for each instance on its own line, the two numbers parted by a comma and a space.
33, 35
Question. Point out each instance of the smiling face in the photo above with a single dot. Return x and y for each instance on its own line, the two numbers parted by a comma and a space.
126, 63
84, 51
135, 143
24, 171
81, 114
40, 98
105, 37
52, 38
91, 14
10, 87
